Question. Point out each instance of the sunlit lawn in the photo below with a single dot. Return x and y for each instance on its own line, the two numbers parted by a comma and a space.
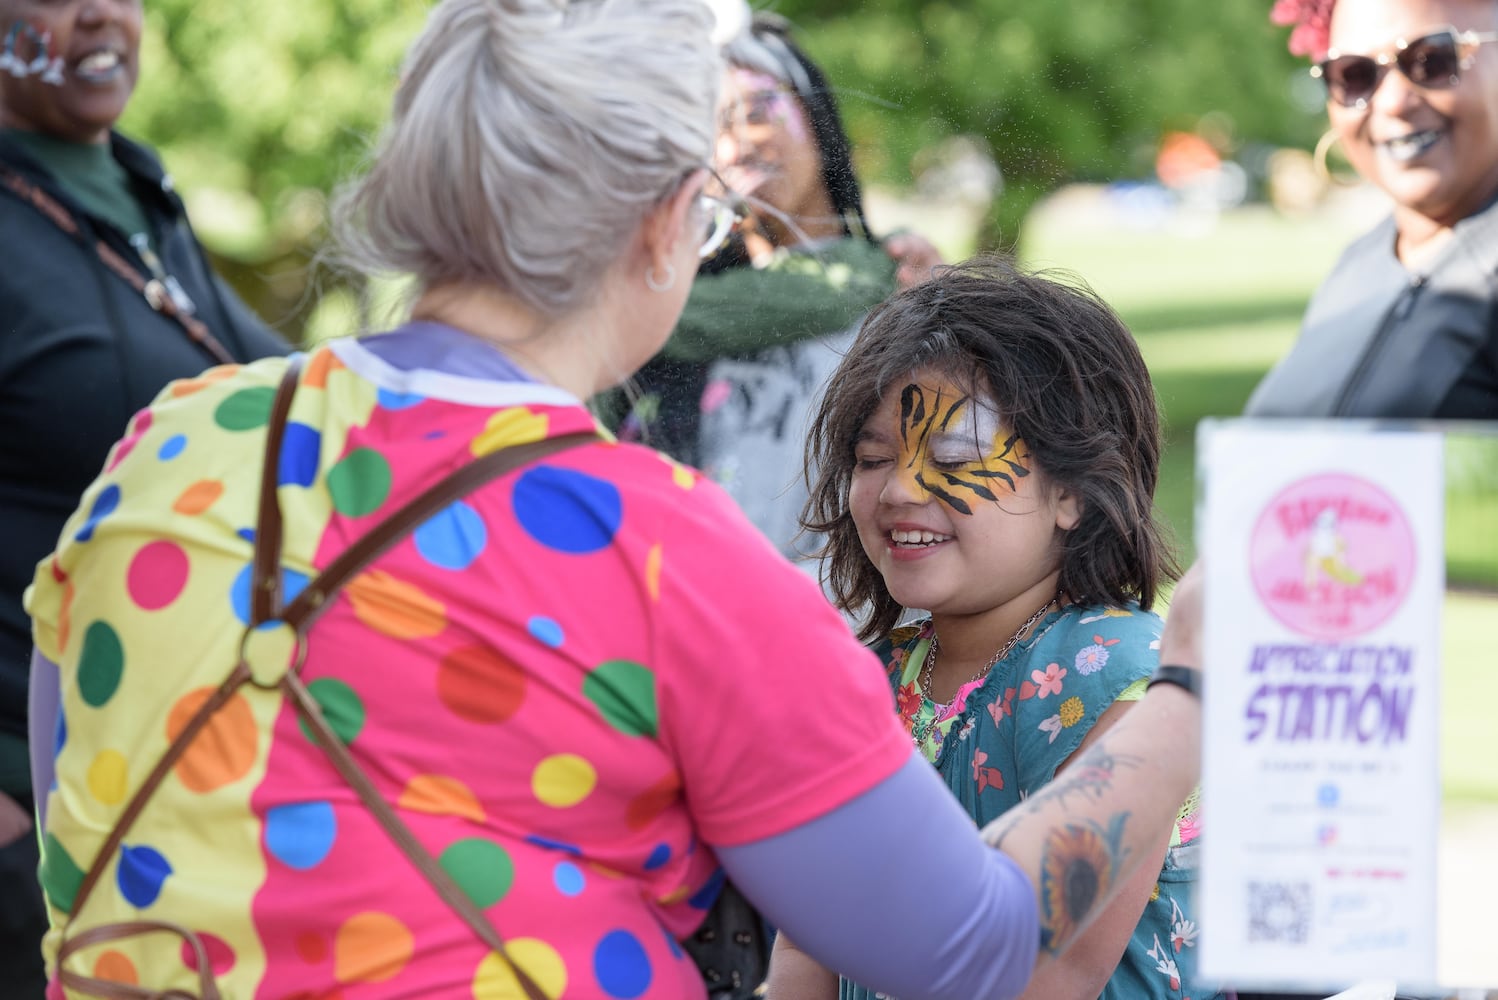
1212, 310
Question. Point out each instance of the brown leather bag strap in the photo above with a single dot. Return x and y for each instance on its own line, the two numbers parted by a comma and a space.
265, 586
153, 289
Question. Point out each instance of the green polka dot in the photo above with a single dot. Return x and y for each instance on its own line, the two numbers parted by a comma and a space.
360, 482
100, 664
624, 692
246, 409
483, 870
60, 875
340, 706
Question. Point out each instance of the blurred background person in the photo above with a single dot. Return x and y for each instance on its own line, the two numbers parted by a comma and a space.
733, 389
1404, 326
105, 297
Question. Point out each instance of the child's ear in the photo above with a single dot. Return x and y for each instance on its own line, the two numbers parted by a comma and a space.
1068, 510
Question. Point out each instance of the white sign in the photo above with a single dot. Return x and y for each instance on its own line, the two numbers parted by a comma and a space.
1323, 546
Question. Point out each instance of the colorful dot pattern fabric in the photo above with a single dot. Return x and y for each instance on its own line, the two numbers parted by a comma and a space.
563, 682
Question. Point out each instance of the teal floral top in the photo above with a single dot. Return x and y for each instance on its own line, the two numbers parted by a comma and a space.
1006, 734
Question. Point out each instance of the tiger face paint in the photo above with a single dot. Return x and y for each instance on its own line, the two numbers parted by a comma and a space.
953, 446
950, 506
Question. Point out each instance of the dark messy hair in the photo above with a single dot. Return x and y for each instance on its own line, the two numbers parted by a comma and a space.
1066, 376
768, 46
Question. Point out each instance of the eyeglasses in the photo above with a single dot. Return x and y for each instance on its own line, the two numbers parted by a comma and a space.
719, 215
1434, 62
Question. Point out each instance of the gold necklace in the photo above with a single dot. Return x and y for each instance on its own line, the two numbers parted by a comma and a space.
923, 679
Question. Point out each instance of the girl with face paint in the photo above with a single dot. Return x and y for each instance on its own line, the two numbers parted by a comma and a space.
988, 452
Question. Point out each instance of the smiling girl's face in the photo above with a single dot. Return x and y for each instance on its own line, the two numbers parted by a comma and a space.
948, 501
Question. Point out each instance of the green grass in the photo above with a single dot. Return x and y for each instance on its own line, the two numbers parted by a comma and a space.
1212, 311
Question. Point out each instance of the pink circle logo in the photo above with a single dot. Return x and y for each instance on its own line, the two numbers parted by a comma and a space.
1332, 556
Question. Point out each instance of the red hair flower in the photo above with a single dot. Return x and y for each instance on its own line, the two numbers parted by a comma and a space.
1313, 22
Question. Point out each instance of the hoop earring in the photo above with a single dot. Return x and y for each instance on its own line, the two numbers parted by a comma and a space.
655, 284
1324, 145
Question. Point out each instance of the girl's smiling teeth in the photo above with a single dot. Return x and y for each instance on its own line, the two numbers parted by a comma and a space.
917, 539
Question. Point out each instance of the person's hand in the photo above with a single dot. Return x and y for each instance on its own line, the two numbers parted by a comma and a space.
1181, 643
15, 822
915, 257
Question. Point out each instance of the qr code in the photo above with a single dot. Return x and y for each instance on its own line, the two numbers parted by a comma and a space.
1279, 912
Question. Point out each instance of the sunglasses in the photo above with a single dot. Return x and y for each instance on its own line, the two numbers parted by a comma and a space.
1433, 62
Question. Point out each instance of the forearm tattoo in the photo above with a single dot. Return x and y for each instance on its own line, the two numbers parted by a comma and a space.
1077, 869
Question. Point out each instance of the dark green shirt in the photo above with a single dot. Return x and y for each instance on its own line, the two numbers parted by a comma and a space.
89, 172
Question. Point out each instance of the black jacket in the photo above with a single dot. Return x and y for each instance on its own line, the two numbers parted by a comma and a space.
1380, 340
80, 352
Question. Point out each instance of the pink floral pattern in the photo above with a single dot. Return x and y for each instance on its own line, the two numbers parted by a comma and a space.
1049, 681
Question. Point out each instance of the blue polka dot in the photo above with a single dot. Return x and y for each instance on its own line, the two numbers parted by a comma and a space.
621, 965
141, 874
566, 510
61, 736
673, 944
399, 400
292, 584
554, 845
301, 835
546, 631
172, 447
300, 449
248, 534
568, 878
104, 505
708, 894
453, 538
434, 435
658, 857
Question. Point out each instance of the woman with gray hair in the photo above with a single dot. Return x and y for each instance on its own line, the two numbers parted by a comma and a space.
380, 672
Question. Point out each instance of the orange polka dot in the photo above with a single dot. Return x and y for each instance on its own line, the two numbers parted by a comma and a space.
225, 749
395, 608
677, 895
480, 685
323, 364
311, 947
649, 804
438, 795
371, 948
188, 386
116, 968
653, 571
199, 497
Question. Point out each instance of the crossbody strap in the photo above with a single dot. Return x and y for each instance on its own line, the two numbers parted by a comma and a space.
152, 289
266, 606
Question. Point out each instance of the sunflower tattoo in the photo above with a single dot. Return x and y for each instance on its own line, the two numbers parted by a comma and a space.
1077, 870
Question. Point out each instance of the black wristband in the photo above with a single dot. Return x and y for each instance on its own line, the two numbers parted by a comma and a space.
1181, 677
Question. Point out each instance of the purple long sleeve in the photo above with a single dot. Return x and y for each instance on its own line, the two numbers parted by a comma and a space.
42, 711
895, 890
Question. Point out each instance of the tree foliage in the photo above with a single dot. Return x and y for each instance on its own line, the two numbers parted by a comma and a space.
261, 108
1080, 90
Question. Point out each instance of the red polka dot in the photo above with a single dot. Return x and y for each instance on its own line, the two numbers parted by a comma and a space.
480, 685
649, 804
312, 947
121, 450
157, 575
220, 955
